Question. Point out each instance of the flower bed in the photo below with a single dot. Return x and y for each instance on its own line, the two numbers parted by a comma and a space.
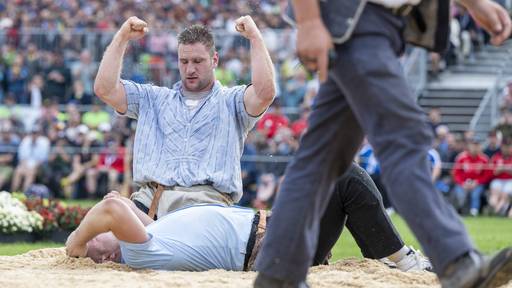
16, 222
29, 219
59, 220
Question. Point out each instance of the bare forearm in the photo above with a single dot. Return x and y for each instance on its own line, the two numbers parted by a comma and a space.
143, 217
262, 71
96, 221
109, 72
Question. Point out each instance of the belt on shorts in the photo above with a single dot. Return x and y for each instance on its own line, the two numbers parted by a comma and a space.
159, 189
156, 199
258, 229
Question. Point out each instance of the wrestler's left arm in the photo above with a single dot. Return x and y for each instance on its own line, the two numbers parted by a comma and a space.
108, 215
261, 93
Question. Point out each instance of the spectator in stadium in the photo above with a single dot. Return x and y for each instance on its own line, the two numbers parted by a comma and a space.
8, 148
441, 142
96, 116
493, 143
33, 151
84, 163
434, 115
84, 71
505, 124
79, 95
295, 89
501, 184
470, 174
49, 115
435, 164
456, 145
111, 164
17, 77
58, 166
36, 86
57, 79
272, 120
199, 124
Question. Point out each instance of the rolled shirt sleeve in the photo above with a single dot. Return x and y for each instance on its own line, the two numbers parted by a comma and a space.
135, 94
245, 120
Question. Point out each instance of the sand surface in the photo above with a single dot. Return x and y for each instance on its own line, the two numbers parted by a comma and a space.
51, 268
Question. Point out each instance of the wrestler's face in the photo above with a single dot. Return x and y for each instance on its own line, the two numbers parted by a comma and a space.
103, 248
196, 65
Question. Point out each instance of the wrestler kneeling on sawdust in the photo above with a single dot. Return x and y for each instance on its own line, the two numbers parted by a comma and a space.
211, 236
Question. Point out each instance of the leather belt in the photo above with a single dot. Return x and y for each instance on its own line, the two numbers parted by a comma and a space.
156, 199
258, 229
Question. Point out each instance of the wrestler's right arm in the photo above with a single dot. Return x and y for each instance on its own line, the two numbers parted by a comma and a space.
107, 84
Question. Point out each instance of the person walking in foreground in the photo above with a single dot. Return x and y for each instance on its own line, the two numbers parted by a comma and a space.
363, 92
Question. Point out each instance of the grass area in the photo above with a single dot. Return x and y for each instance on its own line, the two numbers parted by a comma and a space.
84, 203
489, 234
20, 248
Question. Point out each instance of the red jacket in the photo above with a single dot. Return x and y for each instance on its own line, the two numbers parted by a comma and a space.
299, 126
112, 161
270, 122
471, 167
498, 159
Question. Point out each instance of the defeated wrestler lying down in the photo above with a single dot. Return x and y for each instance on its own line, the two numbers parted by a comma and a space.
203, 237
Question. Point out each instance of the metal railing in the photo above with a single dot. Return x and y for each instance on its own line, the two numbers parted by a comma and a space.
490, 101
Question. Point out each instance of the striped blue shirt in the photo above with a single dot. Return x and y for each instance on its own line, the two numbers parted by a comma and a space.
178, 146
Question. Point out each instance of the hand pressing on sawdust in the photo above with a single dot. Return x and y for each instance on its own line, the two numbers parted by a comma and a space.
73, 248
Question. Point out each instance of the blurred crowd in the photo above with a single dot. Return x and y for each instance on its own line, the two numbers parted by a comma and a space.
466, 38
51, 49
474, 175
57, 140
65, 153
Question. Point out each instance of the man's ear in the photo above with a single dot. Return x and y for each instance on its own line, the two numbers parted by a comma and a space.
215, 59
112, 257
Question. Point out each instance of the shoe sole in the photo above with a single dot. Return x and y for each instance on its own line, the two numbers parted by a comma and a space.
500, 271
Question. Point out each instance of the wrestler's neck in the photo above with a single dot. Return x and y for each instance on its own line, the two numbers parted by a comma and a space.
196, 95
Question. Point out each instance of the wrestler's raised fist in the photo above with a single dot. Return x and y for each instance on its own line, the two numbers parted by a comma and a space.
133, 29
246, 27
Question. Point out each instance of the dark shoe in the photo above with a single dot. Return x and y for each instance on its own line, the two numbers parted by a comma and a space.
476, 271
263, 281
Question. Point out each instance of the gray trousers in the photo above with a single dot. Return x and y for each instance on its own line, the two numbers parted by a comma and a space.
366, 93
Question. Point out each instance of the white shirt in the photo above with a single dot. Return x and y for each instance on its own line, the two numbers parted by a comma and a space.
395, 3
